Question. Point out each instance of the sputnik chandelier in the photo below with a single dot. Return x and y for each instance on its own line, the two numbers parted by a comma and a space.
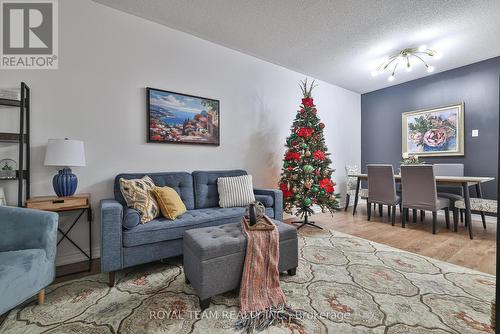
408, 58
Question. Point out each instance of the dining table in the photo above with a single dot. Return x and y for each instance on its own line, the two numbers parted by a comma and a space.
460, 181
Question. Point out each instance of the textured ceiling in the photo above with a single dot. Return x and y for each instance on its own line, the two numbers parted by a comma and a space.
340, 42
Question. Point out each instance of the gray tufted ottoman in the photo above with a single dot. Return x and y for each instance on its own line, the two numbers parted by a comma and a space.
214, 257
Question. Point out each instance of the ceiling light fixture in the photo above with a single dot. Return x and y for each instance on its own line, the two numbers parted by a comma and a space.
404, 58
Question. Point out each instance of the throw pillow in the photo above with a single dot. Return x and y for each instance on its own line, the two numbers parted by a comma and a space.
137, 194
171, 204
235, 191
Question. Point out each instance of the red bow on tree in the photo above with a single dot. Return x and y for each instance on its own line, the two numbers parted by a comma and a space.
308, 102
305, 132
327, 185
291, 155
319, 155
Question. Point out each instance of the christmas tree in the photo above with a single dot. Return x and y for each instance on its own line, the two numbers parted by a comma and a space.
306, 173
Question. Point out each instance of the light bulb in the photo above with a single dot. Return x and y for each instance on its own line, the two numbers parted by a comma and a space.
391, 78
430, 69
422, 48
374, 73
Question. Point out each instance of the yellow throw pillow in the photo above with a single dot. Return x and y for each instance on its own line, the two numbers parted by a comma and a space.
136, 193
170, 202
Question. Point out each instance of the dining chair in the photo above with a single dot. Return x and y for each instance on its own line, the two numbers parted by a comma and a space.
419, 192
351, 185
450, 192
382, 189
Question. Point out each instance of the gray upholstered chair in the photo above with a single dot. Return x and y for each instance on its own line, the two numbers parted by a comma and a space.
419, 192
382, 189
351, 185
27, 254
454, 194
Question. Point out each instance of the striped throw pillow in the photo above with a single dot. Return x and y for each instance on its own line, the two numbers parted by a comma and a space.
235, 191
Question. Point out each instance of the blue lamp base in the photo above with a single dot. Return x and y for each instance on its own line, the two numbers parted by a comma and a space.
65, 183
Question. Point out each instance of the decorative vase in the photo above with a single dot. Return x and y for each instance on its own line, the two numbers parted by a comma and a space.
65, 182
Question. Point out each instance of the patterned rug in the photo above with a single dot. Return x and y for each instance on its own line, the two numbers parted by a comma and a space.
344, 284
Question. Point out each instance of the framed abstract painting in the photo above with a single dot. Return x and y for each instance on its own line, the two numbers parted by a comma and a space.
434, 132
182, 119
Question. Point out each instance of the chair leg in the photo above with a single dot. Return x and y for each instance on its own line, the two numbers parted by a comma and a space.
393, 215
369, 209
422, 215
461, 215
414, 215
483, 218
455, 220
400, 207
111, 277
403, 218
380, 210
447, 217
41, 297
434, 219
389, 209
347, 200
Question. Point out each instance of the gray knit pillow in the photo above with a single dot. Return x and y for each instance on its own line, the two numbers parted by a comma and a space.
235, 191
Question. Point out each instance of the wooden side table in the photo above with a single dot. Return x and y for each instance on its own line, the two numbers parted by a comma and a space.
81, 203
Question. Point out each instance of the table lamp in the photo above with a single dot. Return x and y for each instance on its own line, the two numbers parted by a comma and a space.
65, 153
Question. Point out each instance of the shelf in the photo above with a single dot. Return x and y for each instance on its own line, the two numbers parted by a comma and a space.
16, 178
10, 103
6, 137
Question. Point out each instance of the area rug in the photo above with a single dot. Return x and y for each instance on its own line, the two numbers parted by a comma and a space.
344, 284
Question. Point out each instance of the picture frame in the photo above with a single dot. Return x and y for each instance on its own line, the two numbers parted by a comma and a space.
434, 132
177, 118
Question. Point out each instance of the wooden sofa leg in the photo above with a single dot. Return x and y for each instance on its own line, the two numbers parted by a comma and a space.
41, 297
292, 272
111, 282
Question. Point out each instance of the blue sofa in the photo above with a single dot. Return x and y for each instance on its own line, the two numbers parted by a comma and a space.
125, 242
27, 254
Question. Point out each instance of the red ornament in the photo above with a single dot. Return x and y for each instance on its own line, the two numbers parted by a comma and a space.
305, 132
302, 110
319, 155
291, 155
317, 172
308, 102
287, 193
321, 125
290, 168
327, 185
315, 110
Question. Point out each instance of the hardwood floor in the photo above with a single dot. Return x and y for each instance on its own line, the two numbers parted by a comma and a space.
478, 254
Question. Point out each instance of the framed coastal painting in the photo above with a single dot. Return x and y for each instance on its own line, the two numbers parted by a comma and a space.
182, 119
434, 132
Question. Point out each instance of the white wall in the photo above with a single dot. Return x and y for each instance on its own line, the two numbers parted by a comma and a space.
108, 57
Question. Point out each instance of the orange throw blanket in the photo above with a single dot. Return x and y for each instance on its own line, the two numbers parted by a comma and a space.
262, 302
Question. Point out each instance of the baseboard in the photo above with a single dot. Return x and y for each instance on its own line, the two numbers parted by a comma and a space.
76, 256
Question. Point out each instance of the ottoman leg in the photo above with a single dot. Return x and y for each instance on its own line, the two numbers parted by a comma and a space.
186, 280
204, 304
292, 272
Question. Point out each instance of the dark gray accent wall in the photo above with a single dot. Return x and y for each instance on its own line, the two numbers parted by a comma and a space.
477, 85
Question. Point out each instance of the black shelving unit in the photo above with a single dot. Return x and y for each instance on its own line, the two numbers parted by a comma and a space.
23, 139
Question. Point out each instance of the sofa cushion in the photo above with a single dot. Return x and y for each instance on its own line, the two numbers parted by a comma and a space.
137, 194
182, 182
23, 273
235, 191
131, 218
162, 229
170, 202
267, 200
205, 186
215, 241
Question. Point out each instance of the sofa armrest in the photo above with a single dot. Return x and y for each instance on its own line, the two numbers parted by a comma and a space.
277, 195
28, 229
111, 235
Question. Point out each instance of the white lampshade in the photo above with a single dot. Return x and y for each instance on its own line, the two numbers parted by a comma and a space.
65, 153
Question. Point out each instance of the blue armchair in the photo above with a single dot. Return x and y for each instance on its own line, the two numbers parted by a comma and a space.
27, 254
